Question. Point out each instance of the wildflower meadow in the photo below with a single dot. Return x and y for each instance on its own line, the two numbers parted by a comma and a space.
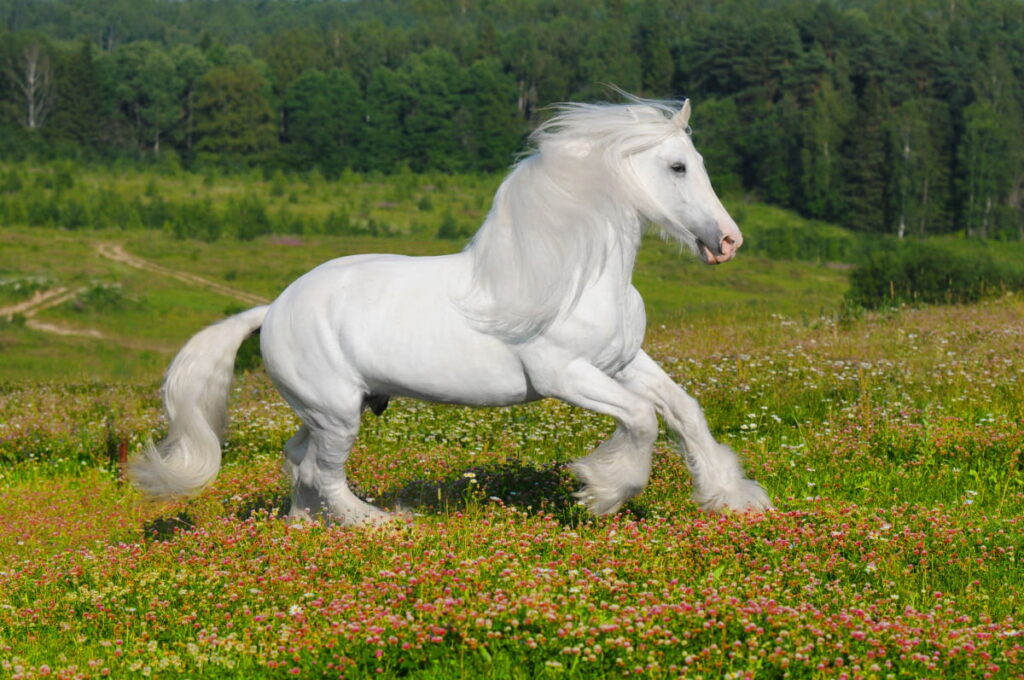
890, 441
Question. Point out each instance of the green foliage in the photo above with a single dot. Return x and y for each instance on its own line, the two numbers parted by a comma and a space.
248, 357
234, 117
21, 287
85, 101
773, 233
145, 84
211, 206
100, 297
250, 217
449, 228
905, 119
924, 273
325, 113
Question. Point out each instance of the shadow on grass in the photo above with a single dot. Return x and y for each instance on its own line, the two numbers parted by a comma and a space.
544, 489
164, 528
532, 489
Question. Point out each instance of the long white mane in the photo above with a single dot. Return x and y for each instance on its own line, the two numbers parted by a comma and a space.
555, 216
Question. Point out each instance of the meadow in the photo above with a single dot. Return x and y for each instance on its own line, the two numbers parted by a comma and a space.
891, 442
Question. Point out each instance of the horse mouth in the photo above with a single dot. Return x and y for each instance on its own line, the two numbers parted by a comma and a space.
706, 254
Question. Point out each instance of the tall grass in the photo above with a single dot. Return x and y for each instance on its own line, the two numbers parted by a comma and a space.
211, 206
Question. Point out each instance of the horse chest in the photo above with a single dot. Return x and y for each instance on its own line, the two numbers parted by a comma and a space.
606, 329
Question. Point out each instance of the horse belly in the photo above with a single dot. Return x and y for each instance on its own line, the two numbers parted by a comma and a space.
388, 325
436, 359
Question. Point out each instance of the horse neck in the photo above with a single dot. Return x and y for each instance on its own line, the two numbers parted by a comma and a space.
622, 243
548, 241
589, 217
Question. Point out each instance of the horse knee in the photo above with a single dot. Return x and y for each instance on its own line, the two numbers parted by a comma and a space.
642, 421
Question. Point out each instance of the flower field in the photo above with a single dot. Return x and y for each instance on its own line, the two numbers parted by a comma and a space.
892, 445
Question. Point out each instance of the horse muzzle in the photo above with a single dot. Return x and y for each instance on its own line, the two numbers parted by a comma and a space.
723, 251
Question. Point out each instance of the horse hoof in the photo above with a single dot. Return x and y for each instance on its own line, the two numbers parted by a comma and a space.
744, 495
605, 501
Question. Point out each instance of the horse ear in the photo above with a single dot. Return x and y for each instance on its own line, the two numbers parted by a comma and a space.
682, 119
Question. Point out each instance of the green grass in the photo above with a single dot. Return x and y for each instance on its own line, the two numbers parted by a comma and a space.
892, 444
95, 197
152, 315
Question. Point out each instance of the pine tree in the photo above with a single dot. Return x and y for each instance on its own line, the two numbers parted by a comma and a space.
81, 110
325, 118
389, 98
430, 139
495, 131
865, 174
233, 114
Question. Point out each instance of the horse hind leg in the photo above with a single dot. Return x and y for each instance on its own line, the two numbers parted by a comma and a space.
315, 458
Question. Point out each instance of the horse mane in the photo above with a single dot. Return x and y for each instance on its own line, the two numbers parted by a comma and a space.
558, 213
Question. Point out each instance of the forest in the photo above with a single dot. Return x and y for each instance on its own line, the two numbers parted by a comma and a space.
885, 116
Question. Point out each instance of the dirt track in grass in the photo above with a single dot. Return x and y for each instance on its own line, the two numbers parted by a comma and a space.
45, 299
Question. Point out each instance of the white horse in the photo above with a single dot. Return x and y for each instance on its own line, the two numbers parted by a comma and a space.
539, 304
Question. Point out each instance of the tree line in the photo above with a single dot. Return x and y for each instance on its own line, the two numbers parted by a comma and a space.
886, 116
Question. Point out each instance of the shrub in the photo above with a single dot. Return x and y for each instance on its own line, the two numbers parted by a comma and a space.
449, 228
808, 242
250, 217
338, 223
24, 287
100, 296
11, 182
921, 273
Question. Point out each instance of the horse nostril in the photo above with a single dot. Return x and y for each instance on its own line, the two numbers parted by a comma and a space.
728, 245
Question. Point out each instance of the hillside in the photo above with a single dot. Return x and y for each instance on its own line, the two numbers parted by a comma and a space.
122, 322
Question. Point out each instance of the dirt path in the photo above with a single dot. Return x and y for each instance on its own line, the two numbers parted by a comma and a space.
117, 253
27, 307
45, 299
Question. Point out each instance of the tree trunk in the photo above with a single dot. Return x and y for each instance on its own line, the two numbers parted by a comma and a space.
32, 78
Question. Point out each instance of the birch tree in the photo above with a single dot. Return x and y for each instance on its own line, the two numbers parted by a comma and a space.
31, 74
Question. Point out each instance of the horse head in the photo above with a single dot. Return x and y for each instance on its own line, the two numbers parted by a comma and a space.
671, 188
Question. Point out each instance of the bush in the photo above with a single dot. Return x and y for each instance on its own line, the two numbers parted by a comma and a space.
807, 242
24, 287
338, 223
921, 273
250, 217
100, 297
450, 228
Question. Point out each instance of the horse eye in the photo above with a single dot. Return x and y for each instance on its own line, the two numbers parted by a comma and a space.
679, 168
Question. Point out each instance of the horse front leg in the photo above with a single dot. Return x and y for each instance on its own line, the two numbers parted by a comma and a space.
618, 469
718, 479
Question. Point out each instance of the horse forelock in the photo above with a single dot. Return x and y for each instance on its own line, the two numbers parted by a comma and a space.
637, 119
556, 215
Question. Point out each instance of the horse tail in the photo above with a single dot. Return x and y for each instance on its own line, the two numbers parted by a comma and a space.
195, 395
